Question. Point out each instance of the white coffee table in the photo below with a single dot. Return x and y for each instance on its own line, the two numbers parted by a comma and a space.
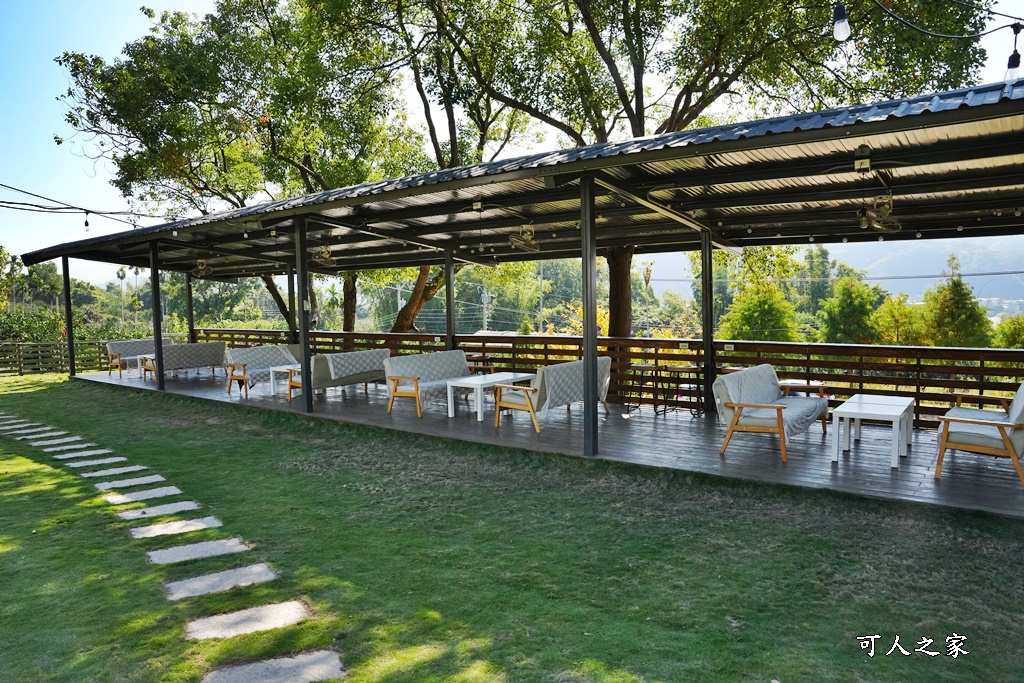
899, 410
283, 369
480, 382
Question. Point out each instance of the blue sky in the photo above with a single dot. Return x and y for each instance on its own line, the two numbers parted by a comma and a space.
33, 33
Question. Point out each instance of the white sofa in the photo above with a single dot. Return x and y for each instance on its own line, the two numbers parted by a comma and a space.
989, 432
752, 400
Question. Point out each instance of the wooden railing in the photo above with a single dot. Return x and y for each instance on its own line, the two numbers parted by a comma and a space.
928, 374
30, 358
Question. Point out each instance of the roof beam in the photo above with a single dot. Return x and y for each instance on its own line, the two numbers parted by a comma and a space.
666, 211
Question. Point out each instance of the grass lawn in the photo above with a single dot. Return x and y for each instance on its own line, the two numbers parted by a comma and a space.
428, 560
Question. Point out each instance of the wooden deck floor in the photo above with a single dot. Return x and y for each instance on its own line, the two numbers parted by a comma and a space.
674, 440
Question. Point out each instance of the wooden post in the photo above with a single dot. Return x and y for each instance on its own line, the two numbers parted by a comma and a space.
68, 320
588, 244
303, 311
158, 319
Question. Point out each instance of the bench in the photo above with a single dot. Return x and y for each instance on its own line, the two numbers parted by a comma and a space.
426, 375
124, 352
188, 356
352, 367
752, 400
554, 385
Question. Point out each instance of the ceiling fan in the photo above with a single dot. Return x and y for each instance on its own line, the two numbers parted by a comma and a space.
879, 215
202, 269
324, 258
524, 240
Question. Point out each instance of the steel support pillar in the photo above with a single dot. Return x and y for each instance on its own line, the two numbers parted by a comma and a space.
190, 313
588, 244
707, 298
449, 299
69, 324
302, 319
158, 318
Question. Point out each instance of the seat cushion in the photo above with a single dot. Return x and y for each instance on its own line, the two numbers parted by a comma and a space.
1016, 411
984, 436
799, 414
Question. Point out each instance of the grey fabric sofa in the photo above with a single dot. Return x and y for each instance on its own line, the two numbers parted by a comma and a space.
423, 376
124, 353
560, 384
189, 356
352, 367
752, 400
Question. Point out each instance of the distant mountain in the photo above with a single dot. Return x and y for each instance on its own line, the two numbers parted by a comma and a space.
925, 258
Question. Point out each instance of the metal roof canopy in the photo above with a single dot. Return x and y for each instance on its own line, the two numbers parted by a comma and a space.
951, 163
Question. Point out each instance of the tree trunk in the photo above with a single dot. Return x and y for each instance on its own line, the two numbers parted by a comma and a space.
422, 292
620, 291
282, 305
348, 293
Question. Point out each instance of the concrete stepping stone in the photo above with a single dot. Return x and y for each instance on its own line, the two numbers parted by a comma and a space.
69, 447
250, 620
112, 472
219, 582
20, 424
25, 428
310, 667
41, 436
182, 527
83, 454
32, 432
159, 510
196, 551
54, 442
90, 463
124, 483
122, 498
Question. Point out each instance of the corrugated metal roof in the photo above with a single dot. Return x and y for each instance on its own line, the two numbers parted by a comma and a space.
444, 198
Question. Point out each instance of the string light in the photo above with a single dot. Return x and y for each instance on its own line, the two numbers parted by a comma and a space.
841, 30
87, 221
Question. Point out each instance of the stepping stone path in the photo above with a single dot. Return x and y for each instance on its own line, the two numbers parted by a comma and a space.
219, 582
125, 483
307, 667
90, 463
116, 470
82, 454
70, 446
54, 442
122, 498
159, 510
168, 528
196, 551
249, 620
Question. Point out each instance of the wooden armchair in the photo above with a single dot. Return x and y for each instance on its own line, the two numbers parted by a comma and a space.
515, 398
114, 361
999, 433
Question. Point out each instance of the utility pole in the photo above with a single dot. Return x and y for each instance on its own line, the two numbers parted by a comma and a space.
484, 298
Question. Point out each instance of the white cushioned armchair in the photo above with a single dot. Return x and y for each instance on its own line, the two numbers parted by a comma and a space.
752, 400
989, 432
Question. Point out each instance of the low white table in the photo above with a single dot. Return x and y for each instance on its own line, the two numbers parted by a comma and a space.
283, 369
480, 382
899, 410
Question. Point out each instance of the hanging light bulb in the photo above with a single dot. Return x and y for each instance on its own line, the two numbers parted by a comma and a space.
1013, 66
840, 23
87, 221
